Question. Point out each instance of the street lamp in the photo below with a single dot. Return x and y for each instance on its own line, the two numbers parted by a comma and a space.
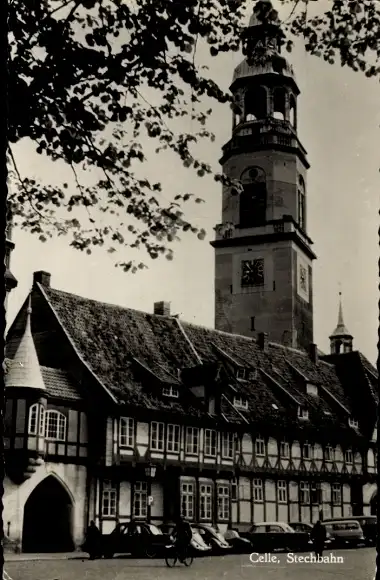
150, 471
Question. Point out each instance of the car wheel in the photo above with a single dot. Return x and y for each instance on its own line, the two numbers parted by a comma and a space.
150, 552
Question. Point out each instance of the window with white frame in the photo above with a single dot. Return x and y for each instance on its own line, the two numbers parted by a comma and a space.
304, 492
353, 423
210, 442
228, 445
140, 499
33, 419
284, 449
42, 422
348, 456
205, 502
172, 392
240, 403
173, 435
260, 446
223, 502
329, 453
157, 436
306, 451
187, 500
55, 426
192, 440
258, 490
336, 490
126, 432
303, 413
282, 492
109, 499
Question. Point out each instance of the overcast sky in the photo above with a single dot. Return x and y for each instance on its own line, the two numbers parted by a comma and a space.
338, 124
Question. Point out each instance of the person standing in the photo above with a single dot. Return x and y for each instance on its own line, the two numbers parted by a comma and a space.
93, 541
318, 537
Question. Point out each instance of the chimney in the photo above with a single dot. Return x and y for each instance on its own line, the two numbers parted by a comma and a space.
262, 340
313, 353
42, 277
162, 308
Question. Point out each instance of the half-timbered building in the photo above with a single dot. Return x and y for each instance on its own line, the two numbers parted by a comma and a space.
113, 414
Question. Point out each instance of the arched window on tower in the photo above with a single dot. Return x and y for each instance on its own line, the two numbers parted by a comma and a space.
301, 203
279, 104
253, 199
255, 104
293, 111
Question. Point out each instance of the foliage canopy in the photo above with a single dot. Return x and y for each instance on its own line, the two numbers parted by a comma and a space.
79, 76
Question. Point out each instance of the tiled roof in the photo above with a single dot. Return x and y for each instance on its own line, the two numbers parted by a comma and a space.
59, 385
56, 382
117, 343
134, 353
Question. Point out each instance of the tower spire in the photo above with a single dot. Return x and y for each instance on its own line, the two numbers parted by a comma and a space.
24, 370
340, 337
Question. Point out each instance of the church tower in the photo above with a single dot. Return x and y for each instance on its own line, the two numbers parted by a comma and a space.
263, 256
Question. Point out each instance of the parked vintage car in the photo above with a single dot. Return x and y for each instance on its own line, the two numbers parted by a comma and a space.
238, 544
271, 536
367, 523
212, 537
139, 539
198, 545
345, 532
307, 528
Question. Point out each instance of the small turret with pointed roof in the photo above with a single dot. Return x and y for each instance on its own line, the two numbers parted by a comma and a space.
24, 370
340, 339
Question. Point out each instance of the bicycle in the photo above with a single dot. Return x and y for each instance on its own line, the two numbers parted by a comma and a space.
173, 557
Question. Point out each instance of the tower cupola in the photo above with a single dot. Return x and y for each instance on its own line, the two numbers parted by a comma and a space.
341, 340
264, 85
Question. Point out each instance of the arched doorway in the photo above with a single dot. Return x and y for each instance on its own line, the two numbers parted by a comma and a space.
48, 519
373, 504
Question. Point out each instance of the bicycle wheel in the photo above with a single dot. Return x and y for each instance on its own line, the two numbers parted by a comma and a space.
188, 560
171, 560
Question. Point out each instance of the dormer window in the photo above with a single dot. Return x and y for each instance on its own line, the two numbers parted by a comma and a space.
252, 375
312, 390
240, 403
241, 374
353, 423
170, 392
303, 413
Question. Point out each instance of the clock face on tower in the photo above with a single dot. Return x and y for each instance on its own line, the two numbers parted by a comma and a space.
303, 279
252, 272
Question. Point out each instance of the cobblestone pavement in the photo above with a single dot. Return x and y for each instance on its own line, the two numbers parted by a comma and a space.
357, 565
